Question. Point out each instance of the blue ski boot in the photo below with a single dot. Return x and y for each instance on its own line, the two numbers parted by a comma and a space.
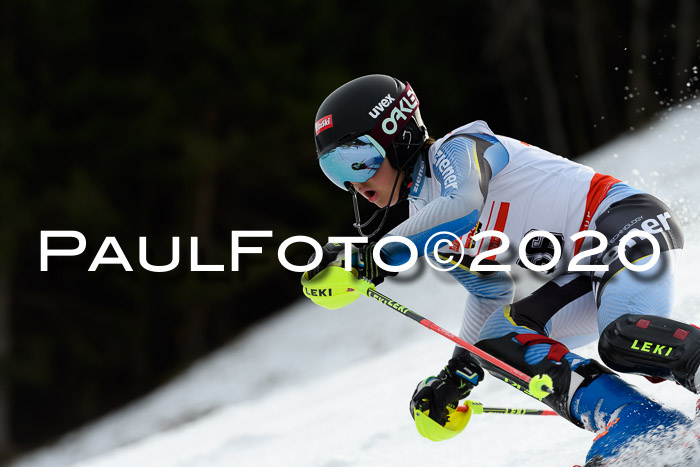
629, 424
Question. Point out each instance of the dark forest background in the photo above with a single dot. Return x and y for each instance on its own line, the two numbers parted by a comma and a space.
194, 118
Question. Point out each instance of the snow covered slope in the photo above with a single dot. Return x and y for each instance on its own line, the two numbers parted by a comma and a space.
316, 388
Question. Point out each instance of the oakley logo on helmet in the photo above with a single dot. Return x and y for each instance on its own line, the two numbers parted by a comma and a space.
324, 123
402, 110
381, 105
396, 117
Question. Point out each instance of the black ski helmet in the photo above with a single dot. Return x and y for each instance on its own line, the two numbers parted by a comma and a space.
376, 105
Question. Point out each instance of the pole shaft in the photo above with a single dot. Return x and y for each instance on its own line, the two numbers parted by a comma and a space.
524, 378
510, 411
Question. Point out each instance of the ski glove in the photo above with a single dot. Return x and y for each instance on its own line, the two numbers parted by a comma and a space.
451, 385
362, 260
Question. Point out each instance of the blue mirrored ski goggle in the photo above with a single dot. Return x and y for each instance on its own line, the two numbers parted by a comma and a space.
355, 161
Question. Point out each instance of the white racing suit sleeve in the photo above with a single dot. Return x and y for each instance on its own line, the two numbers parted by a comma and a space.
487, 293
463, 192
463, 175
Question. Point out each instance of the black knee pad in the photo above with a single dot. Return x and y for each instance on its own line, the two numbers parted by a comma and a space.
652, 346
565, 380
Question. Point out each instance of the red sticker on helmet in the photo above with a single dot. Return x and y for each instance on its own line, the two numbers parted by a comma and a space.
324, 123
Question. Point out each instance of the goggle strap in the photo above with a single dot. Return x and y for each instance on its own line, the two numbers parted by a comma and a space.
406, 105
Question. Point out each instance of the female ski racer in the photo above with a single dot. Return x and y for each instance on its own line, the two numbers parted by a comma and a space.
371, 141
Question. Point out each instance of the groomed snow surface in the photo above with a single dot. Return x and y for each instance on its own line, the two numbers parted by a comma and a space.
315, 388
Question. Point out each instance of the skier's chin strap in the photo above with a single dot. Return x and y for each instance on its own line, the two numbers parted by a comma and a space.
403, 194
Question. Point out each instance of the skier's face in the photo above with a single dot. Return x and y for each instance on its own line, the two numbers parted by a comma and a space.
377, 188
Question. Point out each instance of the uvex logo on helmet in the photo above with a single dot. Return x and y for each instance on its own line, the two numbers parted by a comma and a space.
381, 105
324, 123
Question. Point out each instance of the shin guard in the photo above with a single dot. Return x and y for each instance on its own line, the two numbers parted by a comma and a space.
653, 346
